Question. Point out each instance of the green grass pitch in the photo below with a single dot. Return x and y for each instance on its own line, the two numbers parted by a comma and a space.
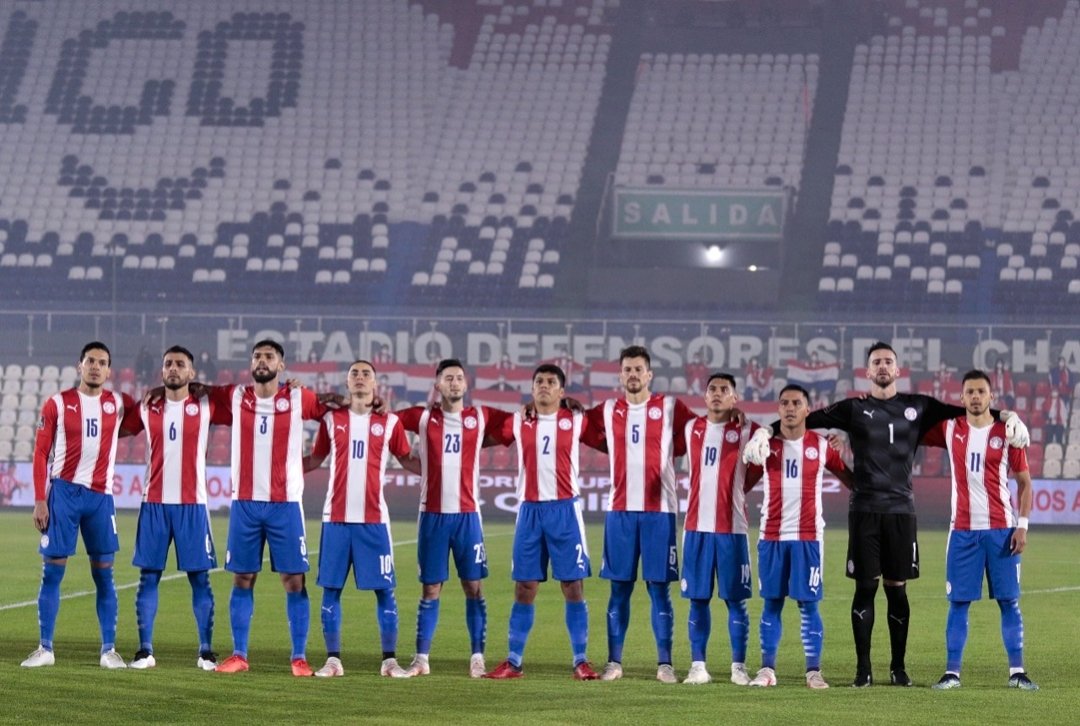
76, 690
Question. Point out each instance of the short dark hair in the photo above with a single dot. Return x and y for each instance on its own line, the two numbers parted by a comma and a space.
182, 351
635, 351
880, 345
723, 377
976, 374
95, 345
365, 362
795, 387
551, 368
269, 343
447, 363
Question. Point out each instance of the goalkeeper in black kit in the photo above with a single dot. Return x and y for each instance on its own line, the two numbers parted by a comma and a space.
884, 429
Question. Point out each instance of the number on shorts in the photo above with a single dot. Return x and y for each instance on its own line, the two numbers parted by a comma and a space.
815, 577
386, 564
172, 431
303, 546
710, 456
209, 544
580, 556
1018, 572
744, 574
358, 449
481, 554
113, 518
453, 444
672, 556
92, 427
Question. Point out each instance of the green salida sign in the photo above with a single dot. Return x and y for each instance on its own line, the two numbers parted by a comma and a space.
696, 214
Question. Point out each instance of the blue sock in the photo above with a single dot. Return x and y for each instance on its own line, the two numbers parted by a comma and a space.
956, 632
427, 617
738, 626
663, 620
771, 630
106, 602
146, 605
387, 616
202, 605
521, 622
699, 627
577, 624
298, 609
49, 601
331, 620
1012, 632
813, 634
476, 622
241, 608
618, 617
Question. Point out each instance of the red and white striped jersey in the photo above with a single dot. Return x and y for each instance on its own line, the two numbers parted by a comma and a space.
548, 450
791, 509
358, 446
177, 434
980, 459
450, 446
268, 441
80, 432
717, 500
640, 444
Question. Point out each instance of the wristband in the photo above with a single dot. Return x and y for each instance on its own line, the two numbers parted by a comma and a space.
1022, 523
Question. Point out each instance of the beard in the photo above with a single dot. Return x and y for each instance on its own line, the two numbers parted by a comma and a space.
263, 376
173, 385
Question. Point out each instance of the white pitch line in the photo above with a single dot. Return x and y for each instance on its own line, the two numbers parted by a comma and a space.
166, 578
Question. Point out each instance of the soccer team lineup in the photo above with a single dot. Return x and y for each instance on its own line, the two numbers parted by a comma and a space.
643, 433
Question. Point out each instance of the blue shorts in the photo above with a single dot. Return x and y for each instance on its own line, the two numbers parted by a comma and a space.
73, 508
790, 568
972, 553
364, 547
281, 524
551, 531
186, 524
441, 534
709, 557
648, 535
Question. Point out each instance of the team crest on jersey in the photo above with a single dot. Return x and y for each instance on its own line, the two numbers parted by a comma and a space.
811, 454
910, 413
469, 422
191, 409
282, 404
377, 429
996, 442
731, 437
655, 414
565, 424
108, 407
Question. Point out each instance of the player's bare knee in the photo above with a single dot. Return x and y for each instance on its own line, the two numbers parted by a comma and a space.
573, 591
244, 580
525, 592
432, 591
61, 561
293, 582
473, 589
895, 583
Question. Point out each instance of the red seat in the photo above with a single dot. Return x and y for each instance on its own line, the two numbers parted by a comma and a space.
1023, 388
1042, 388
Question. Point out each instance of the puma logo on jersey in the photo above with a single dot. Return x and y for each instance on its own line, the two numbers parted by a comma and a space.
620, 412
341, 427
869, 414
697, 433
960, 437
73, 407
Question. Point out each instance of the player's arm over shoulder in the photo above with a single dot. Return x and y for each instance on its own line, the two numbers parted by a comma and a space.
833, 416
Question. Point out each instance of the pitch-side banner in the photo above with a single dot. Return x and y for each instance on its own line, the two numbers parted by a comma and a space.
1055, 502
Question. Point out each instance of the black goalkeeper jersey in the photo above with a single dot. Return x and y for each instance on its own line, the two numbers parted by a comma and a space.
885, 435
